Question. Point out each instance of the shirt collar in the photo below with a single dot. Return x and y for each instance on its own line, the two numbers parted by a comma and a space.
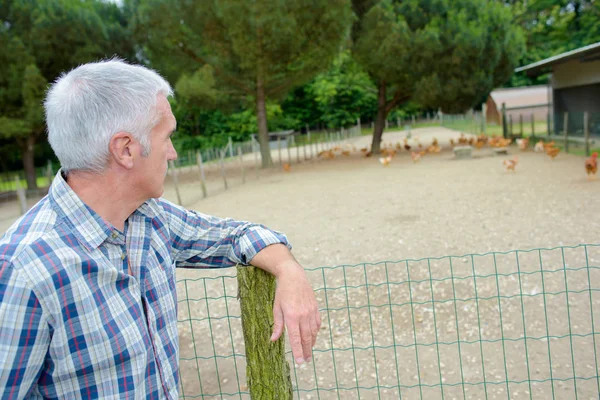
87, 225
90, 228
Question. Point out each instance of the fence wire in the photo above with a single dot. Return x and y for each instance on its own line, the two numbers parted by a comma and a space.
503, 325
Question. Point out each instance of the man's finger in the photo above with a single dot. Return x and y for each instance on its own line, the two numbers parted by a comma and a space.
277, 323
307, 339
296, 343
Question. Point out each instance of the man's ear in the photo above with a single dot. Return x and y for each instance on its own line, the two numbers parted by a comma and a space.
122, 149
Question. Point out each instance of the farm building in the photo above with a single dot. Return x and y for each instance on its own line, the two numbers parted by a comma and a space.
575, 86
529, 101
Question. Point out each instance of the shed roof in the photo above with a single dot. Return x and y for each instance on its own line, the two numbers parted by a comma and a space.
587, 53
521, 96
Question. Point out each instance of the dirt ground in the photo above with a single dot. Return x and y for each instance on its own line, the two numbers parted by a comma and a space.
406, 328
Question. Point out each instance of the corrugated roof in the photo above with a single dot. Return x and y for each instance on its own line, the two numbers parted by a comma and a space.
521, 96
583, 53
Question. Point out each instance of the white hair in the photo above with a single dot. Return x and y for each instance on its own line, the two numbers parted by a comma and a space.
88, 105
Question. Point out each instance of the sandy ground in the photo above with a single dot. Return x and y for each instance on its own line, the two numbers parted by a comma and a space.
405, 329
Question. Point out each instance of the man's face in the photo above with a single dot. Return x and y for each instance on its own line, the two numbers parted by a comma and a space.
153, 168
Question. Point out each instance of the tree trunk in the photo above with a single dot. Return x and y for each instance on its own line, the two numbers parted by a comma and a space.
261, 119
27, 149
267, 371
380, 119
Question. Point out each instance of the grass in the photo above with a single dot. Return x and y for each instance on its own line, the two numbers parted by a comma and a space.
10, 185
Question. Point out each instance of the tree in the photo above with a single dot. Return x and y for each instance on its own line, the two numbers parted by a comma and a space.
552, 27
39, 40
257, 49
441, 53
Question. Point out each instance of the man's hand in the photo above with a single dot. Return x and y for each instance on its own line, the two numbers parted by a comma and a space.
295, 305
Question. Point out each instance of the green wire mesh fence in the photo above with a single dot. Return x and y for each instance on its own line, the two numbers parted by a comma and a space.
503, 325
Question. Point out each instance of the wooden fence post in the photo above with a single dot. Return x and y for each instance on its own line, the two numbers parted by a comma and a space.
241, 157
222, 165
532, 125
175, 181
21, 195
289, 154
202, 177
566, 129
548, 127
255, 150
49, 173
267, 370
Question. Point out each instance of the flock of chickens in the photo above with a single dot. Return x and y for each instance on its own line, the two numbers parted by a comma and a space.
418, 150
591, 164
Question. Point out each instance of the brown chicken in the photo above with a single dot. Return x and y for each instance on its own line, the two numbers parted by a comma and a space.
552, 151
385, 161
287, 167
591, 165
416, 157
511, 164
523, 143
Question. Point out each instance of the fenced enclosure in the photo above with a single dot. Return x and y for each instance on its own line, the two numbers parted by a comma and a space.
505, 325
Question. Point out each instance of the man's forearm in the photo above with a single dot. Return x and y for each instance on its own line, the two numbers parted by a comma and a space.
276, 259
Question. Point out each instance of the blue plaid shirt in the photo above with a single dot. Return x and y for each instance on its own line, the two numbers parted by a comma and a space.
75, 324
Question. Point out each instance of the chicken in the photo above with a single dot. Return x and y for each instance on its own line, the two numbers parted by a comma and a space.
327, 154
345, 153
385, 161
549, 145
406, 145
434, 149
462, 139
511, 164
452, 142
523, 143
539, 146
552, 151
416, 157
287, 167
591, 165
435, 142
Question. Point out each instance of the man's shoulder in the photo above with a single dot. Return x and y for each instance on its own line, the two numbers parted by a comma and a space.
35, 229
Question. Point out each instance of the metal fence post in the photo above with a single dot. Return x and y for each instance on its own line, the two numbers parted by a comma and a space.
566, 129
586, 132
520, 124
504, 127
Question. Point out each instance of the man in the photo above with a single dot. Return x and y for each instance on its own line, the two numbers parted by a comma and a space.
87, 276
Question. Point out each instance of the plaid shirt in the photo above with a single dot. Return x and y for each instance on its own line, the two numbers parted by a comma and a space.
74, 323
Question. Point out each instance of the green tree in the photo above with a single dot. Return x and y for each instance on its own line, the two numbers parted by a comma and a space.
39, 40
258, 49
552, 27
441, 53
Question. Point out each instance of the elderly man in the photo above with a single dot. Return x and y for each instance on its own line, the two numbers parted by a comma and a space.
87, 276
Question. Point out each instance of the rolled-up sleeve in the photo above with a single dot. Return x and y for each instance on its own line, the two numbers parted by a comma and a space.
24, 335
204, 241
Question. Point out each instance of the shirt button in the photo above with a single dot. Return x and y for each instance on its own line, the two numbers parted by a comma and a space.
115, 234
123, 256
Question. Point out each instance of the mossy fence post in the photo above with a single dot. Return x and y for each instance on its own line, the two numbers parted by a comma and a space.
267, 370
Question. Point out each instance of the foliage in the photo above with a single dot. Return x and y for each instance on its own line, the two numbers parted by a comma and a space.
261, 49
